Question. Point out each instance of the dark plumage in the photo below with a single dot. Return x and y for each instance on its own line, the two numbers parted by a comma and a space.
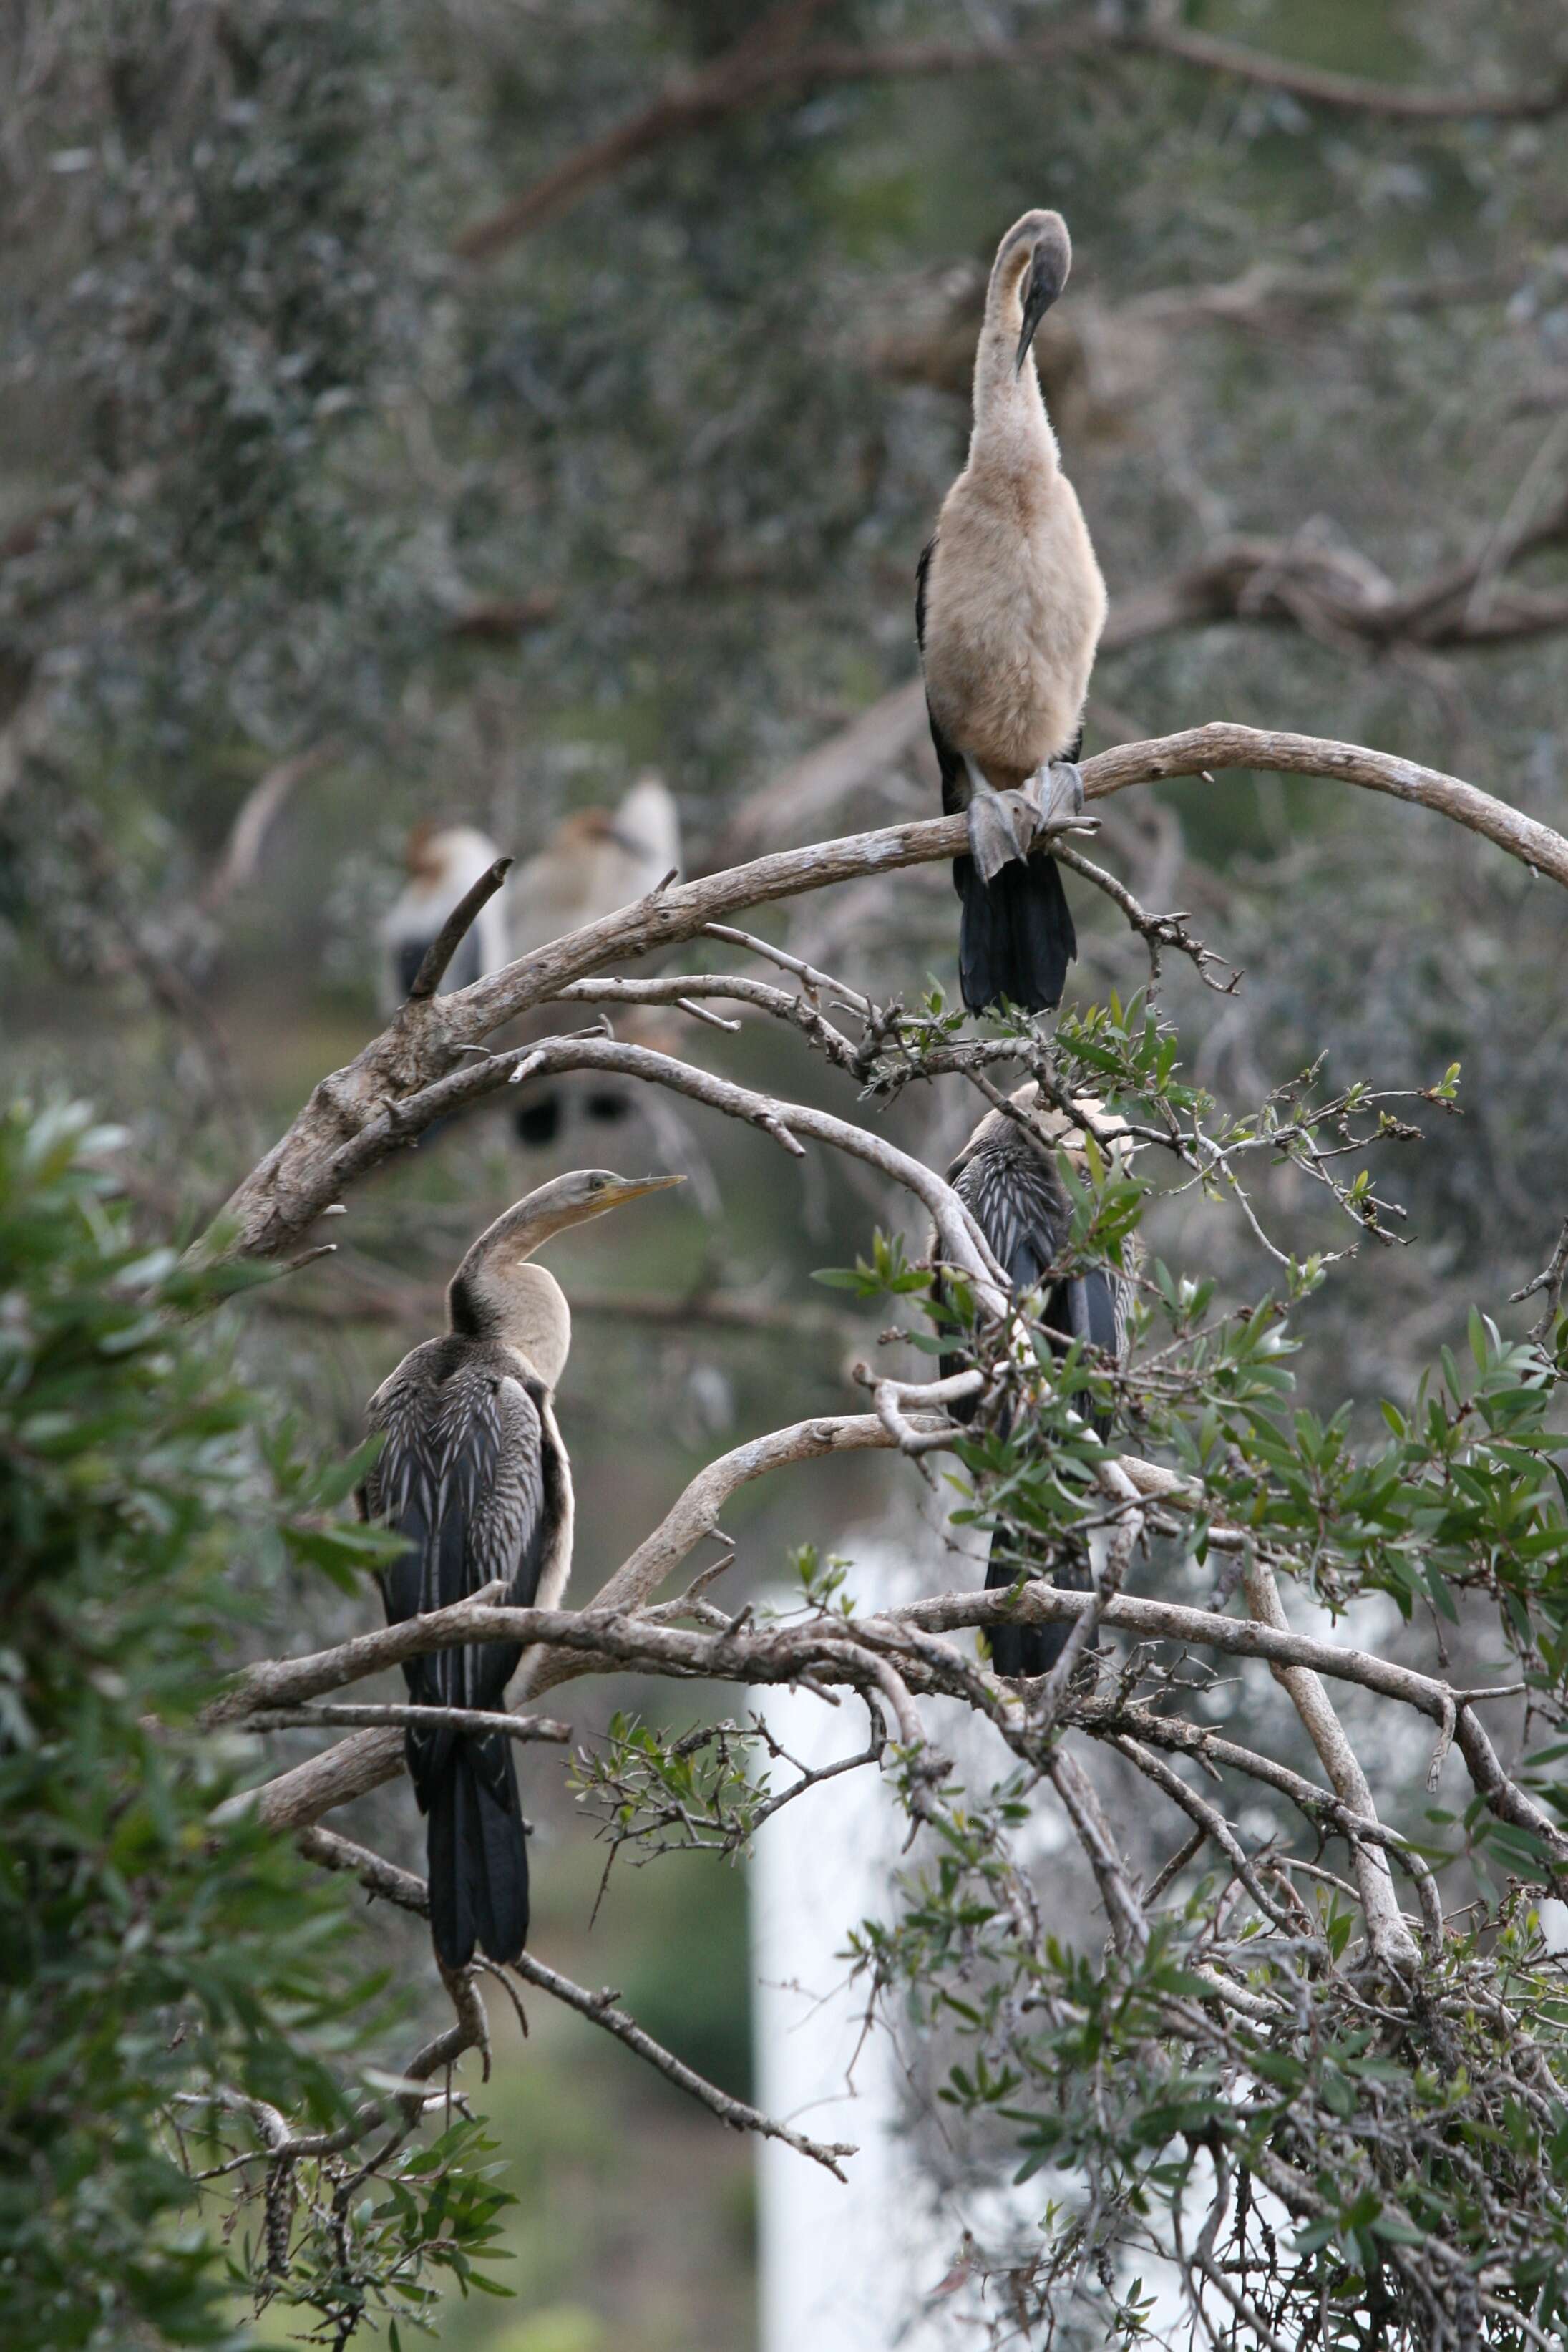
474, 1473
1006, 1175
476, 1478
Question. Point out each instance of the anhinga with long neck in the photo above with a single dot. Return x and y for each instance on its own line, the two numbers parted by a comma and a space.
1008, 609
1007, 1177
474, 1473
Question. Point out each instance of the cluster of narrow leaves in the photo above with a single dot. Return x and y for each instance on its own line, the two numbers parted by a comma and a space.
166, 1979
1243, 2122
1233, 2118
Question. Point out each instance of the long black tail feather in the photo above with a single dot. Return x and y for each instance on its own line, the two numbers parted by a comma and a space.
1016, 936
477, 1855
1021, 1650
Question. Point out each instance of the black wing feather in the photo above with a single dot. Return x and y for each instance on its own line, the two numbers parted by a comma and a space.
1011, 1188
467, 1477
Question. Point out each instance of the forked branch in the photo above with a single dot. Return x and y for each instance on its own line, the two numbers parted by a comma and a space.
361, 1114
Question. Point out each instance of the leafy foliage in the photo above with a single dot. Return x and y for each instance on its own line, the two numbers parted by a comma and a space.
1330, 2150
175, 1982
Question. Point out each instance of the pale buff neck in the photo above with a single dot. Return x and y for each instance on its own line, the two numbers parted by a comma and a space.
498, 1294
1011, 428
533, 1317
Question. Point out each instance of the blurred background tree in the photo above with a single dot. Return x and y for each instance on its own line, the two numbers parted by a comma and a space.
335, 493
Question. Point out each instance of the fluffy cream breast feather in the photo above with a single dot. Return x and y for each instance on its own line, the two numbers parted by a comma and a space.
1015, 598
1009, 608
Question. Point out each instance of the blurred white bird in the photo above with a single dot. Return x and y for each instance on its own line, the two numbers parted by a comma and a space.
443, 863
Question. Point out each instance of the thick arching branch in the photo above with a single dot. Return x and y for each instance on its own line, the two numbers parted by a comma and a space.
694, 1515
601, 1639
303, 1173
1390, 1937
618, 1636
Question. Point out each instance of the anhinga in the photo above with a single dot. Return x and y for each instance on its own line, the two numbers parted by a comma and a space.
1008, 609
474, 1474
443, 862
1007, 1177
595, 862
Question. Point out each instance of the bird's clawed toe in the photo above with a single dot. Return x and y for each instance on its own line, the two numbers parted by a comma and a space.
1057, 791
1001, 827
1066, 800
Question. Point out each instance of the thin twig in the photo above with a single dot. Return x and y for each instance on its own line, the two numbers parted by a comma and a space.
471, 1721
401, 1887
454, 930
1550, 1280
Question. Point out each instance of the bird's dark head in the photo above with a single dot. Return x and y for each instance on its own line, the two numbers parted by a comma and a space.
1042, 251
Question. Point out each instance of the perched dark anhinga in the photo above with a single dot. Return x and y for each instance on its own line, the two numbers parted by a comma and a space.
443, 862
474, 1474
1007, 1177
1008, 609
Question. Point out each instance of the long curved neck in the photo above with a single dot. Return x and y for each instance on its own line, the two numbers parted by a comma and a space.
1011, 429
496, 1294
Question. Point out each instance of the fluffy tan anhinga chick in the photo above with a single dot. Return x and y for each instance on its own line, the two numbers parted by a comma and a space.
443, 863
1008, 609
474, 1474
1007, 1178
595, 862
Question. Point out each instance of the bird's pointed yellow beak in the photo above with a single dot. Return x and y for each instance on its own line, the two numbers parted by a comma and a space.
632, 1188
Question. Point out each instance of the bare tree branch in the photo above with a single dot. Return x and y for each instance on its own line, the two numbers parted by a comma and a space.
466, 1719
601, 1639
1549, 1280
361, 1114
1338, 597
698, 1509
384, 1879
1129, 1927
1390, 1939
259, 812
454, 930
753, 72
1346, 93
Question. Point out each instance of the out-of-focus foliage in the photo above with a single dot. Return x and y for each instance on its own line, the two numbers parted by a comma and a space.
168, 1986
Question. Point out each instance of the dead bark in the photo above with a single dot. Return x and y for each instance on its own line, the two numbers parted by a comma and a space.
303, 1173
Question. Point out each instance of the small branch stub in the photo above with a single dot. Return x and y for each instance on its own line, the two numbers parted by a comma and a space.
454, 930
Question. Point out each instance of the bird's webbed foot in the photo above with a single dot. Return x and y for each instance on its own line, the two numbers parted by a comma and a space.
1055, 792
1001, 824
1001, 827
